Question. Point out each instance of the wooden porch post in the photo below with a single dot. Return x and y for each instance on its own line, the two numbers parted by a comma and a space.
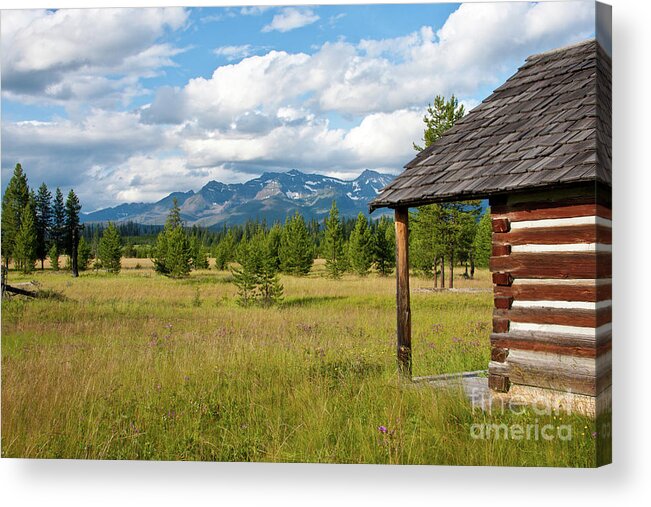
402, 291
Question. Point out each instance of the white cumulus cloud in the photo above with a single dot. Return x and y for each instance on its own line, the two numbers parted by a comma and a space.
474, 48
342, 108
68, 153
84, 54
291, 18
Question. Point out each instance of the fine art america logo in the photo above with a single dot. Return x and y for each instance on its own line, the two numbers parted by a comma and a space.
516, 406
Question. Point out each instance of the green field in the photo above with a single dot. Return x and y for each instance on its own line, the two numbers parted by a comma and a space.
137, 366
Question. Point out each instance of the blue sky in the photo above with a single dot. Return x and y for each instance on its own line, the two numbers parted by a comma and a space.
130, 104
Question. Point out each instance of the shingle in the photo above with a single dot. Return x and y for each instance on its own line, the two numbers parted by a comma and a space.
548, 123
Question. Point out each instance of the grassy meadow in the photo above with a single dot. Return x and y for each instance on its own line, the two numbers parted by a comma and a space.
138, 366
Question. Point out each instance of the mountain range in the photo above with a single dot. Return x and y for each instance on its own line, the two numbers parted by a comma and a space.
273, 196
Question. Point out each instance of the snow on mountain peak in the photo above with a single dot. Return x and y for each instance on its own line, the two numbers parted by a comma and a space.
272, 195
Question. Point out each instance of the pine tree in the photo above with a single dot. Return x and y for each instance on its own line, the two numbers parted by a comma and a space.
333, 244
454, 231
244, 277
83, 254
257, 277
384, 247
360, 247
94, 244
199, 255
225, 251
274, 239
345, 259
59, 221
269, 289
43, 222
269, 286
439, 118
468, 217
159, 253
296, 251
14, 201
179, 260
53, 255
435, 232
73, 228
174, 216
172, 255
26, 241
110, 249
482, 242
426, 245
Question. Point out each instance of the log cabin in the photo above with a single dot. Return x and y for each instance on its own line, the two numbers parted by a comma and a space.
539, 150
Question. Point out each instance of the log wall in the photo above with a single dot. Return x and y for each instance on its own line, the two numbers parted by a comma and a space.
551, 265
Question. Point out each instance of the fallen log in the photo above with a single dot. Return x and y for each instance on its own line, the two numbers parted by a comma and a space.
20, 292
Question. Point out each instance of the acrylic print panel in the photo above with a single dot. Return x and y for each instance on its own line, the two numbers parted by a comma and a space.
333, 234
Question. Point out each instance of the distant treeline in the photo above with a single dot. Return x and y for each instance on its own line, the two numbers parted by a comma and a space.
126, 229
442, 236
139, 239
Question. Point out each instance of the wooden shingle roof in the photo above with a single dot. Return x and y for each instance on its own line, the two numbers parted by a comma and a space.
548, 125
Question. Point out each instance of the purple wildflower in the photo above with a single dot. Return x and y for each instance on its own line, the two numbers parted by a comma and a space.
382, 429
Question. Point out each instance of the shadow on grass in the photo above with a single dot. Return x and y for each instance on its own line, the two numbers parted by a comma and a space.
304, 301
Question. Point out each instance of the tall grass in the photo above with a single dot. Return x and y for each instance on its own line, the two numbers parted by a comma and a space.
138, 366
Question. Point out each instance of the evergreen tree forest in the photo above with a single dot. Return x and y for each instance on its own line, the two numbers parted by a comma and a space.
43, 225
37, 227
